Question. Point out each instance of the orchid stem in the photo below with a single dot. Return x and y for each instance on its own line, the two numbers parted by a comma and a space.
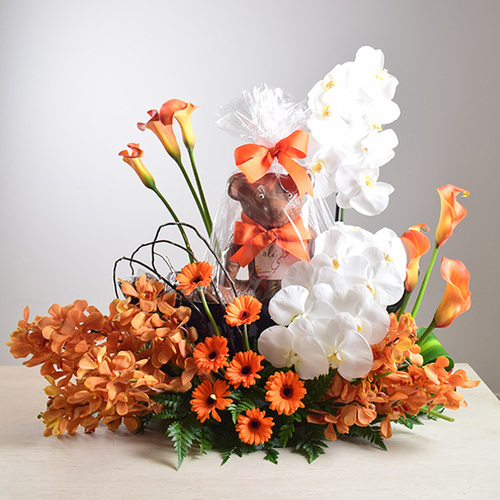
176, 219
424, 283
437, 415
245, 337
341, 215
209, 313
208, 219
194, 195
427, 332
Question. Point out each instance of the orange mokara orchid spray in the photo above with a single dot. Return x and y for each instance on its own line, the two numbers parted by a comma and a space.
456, 299
451, 211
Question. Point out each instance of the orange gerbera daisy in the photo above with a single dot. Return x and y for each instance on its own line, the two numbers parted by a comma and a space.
254, 427
244, 309
243, 369
194, 275
285, 392
211, 354
208, 398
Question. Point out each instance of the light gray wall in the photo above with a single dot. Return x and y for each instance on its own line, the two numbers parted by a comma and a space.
77, 76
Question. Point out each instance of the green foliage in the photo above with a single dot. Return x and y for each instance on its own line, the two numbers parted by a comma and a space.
317, 388
431, 349
175, 405
182, 435
271, 454
286, 431
370, 433
409, 421
312, 448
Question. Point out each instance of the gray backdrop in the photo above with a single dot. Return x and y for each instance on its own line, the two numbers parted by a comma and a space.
77, 76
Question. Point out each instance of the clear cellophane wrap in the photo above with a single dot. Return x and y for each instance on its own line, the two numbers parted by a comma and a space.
265, 222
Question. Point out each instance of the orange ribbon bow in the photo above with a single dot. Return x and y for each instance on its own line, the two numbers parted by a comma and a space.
254, 160
291, 237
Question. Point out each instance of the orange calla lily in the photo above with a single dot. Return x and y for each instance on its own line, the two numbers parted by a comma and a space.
135, 161
181, 111
164, 132
451, 211
456, 299
417, 244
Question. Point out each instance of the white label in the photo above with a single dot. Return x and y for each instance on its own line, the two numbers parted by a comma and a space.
272, 262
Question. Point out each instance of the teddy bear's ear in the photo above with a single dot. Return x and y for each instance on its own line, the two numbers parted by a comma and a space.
235, 186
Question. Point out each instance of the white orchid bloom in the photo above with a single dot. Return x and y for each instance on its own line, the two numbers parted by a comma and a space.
323, 168
369, 73
294, 346
360, 189
372, 320
339, 243
307, 274
370, 269
393, 249
345, 349
295, 301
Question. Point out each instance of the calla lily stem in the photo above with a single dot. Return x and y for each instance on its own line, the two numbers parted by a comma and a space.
424, 283
176, 219
207, 219
404, 303
203, 214
427, 332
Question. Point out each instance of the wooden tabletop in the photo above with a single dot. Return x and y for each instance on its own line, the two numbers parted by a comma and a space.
440, 459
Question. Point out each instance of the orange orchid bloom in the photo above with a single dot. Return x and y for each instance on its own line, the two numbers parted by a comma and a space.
456, 299
417, 244
164, 132
135, 161
181, 111
451, 211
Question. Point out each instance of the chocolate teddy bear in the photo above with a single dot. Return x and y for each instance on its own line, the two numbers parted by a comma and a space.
271, 235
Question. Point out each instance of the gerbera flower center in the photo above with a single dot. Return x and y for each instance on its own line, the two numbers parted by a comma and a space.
211, 400
254, 424
213, 355
286, 392
245, 370
244, 314
196, 279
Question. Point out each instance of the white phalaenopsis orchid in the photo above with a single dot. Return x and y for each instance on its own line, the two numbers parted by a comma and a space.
295, 301
372, 320
294, 346
380, 276
349, 109
359, 188
345, 349
313, 349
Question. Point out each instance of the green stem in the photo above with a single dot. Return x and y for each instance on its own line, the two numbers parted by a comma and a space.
209, 313
208, 219
245, 337
193, 193
424, 283
176, 219
404, 303
437, 415
341, 215
427, 332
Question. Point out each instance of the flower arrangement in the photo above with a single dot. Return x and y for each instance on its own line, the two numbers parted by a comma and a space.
315, 342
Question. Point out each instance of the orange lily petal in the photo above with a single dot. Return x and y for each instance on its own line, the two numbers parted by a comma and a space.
417, 244
456, 299
451, 211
